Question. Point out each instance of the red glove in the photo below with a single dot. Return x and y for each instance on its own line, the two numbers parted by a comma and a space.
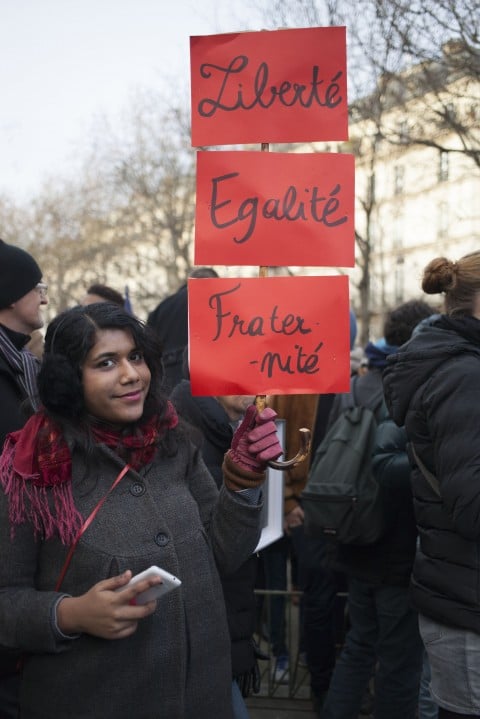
254, 443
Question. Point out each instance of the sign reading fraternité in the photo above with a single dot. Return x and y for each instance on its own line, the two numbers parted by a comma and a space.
269, 335
269, 86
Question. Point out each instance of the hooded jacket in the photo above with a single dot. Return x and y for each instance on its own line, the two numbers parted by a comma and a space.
432, 386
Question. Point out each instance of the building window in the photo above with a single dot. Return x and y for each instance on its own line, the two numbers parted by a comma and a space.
398, 180
442, 221
399, 279
371, 189
443, 166
397, 231
450, 112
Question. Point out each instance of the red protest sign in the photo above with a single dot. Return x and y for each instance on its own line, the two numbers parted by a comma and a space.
273, 335
269, 86
276, 209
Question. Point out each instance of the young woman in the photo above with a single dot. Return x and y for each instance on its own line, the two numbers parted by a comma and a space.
100, 484
432, 386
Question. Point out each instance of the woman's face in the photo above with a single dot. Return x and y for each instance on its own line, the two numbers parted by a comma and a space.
115, 378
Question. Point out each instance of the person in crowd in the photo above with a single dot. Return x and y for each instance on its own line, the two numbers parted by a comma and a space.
383, 639
358, 361
213, 420
392, 469
23, 295
322, 611
170, 321
427, 708
102, 293
102, 482
432, 387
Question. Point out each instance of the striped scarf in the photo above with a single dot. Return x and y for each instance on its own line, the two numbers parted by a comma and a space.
25, 366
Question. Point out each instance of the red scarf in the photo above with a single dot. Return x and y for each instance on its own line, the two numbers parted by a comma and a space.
36, 470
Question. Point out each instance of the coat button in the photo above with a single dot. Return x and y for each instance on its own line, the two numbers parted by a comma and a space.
137, 489
161, 539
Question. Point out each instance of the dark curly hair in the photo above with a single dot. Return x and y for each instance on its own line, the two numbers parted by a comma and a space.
402, 320
69, 338
106, 293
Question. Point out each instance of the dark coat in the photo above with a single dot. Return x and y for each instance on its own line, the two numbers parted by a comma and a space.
177, 663
170, 322
389, 560
432, 386
215, 436
15, 407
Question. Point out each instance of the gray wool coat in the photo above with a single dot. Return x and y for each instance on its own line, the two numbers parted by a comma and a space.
177, 664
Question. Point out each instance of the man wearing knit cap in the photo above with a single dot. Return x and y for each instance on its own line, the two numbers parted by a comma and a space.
22, 295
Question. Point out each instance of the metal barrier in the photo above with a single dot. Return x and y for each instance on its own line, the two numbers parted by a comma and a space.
296, 682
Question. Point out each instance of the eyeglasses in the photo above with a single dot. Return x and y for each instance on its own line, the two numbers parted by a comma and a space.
42, 289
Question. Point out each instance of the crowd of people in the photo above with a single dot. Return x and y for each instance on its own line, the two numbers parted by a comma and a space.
110, 465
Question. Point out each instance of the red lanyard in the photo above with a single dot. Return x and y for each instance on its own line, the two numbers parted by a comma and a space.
86, 525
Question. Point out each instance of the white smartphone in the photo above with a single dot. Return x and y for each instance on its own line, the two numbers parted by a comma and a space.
169, 582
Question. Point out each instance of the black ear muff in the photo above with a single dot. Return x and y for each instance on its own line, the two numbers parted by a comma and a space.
59, 386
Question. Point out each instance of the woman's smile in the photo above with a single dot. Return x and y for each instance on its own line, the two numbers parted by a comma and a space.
116, 378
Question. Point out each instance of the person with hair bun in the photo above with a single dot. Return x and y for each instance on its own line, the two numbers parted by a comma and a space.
102, 483
432, 387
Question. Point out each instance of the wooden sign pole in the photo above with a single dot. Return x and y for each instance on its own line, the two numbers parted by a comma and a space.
261, 399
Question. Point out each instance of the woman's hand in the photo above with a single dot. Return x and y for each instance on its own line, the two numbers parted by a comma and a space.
255, 441
254, 444
105, 612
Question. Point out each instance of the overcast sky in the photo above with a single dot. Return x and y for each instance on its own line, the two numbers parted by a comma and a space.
64, 62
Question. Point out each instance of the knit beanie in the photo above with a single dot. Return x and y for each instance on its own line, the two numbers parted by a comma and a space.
19, 273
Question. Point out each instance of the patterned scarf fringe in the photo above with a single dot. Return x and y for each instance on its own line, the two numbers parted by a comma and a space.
30, 502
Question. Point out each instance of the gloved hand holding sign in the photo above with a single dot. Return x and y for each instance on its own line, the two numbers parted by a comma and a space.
254, 443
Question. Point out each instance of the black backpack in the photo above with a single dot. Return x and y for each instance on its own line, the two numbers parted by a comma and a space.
342, 500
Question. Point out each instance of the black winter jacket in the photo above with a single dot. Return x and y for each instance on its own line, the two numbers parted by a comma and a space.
212, 431
15, 407
432, 386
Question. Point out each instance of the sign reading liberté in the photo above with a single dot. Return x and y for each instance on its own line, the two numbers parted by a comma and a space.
269, 86
273, 208
274, 335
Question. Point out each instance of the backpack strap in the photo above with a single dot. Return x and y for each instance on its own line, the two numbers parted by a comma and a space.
348, 400
381, 410
353, 395
429, 476
377, 405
